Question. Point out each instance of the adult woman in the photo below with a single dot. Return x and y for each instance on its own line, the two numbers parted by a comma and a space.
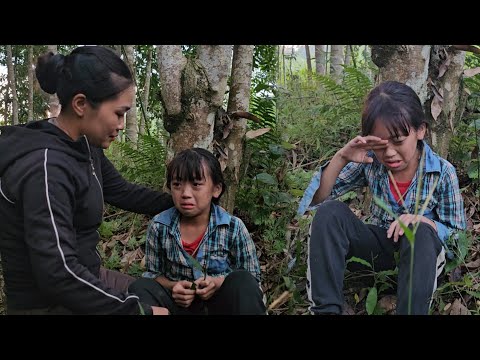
54, 179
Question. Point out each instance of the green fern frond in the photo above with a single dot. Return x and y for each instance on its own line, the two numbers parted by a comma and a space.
144, 164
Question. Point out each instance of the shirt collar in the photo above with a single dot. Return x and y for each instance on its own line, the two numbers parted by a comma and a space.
432, 162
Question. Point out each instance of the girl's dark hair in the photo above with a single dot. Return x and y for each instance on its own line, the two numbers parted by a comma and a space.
187, 165
396, 105
95, 71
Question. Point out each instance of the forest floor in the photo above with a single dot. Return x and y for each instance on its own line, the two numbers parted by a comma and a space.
284, 269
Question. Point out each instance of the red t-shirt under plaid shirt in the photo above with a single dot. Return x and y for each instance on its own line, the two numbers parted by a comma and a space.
402, 187
192, 247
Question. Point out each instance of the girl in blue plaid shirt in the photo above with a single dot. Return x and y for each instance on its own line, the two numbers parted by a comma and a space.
200, 259
386, 158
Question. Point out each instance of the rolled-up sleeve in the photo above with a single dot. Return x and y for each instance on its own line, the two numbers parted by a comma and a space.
352, 176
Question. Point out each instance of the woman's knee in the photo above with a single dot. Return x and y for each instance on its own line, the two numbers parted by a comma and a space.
140, 284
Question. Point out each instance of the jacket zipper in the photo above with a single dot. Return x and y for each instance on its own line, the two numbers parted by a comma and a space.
101, 191
93, 170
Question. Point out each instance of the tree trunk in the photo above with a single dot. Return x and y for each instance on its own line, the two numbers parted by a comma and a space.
435, 73
367, 54
348, 55
309, 61
131, 127
320, 58
192, 92
12, 85
239, 100
31, 76
53, 103
404, 63
146, 92
447, 96
336, 62
5, 109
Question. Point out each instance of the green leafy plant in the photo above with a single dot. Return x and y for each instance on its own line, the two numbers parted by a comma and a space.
143, 163
199, 267
410, 233
382, 281
142, 311
320, 116
459, 245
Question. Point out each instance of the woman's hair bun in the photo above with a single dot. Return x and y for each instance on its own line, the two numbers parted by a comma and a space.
48, 70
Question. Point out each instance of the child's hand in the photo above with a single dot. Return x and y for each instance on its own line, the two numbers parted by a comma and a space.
357, 149
396, 230
205, 288
182, 294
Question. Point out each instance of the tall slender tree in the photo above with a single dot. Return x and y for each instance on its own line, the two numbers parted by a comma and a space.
31, 76
146, 91
348, 55
320, 63
53, 103
336, 62
238, 101
309, 61
12, 85
131, 126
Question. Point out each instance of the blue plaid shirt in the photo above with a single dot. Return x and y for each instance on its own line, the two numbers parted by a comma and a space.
445, 207
226, 246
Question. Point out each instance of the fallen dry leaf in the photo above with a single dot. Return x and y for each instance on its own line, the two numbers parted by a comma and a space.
476, 228
388, 303
131, 256
111, 243
455, 275
282, 299
223, 163
443, 67
473, 264
436, 107
446, 310
471, 72
347, 309
252, 134
227, 129
458, 308
123, 238
471, 210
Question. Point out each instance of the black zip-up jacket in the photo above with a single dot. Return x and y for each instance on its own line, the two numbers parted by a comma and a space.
52, 193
